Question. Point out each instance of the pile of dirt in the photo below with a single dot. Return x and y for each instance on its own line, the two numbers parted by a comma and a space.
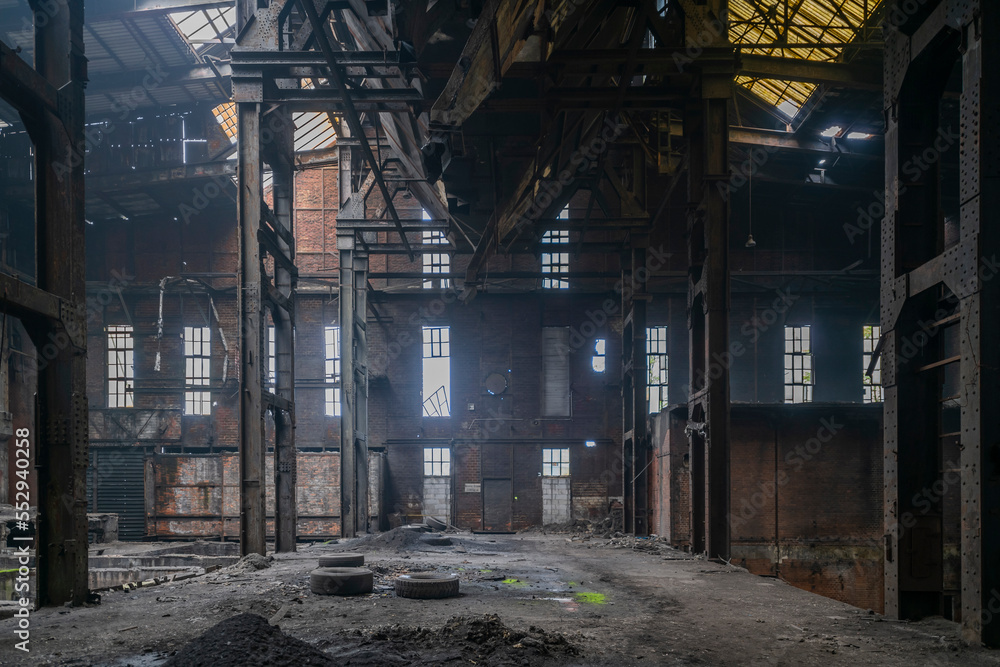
607, 527
251, 563
465, 639
247, 640
397, 539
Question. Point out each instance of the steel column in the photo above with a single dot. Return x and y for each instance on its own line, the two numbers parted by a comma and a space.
61, 453
284, 343
635, 425
252, 364
706, 126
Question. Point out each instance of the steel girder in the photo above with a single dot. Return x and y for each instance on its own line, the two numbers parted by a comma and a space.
927, 288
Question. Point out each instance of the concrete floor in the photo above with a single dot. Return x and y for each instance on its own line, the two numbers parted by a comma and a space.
616, 605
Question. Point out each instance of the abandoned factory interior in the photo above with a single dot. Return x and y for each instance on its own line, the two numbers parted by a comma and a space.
499, 332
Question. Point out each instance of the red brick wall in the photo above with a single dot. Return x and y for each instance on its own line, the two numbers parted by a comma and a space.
806, 496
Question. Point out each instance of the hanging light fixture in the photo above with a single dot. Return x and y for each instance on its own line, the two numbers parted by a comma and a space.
750, 242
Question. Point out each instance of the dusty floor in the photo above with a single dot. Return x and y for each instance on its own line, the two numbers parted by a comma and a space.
612, 605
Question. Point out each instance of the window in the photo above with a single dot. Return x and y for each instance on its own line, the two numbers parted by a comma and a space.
798, 365
873, 384
656, 368
437, 372
121, 366
437, 462
272, 360
332, 370
436, 262
197, 368
599, 361
555, 263
555, 372
555, 462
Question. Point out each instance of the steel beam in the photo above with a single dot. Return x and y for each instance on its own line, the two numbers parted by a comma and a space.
253, 366
955, 288
707, 126
285, 516
61, 456
350, 112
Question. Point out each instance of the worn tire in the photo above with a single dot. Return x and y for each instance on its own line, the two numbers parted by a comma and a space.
426, 585
342, 560
341, 581
417, 528
436, 540
435, 524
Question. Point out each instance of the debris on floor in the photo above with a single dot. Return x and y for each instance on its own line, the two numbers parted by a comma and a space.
250, 563
464, 639
247, 640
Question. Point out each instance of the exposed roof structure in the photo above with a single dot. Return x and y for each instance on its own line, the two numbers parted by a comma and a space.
808, 30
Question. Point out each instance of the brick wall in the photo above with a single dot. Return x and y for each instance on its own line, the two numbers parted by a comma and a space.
806, 496
555, 500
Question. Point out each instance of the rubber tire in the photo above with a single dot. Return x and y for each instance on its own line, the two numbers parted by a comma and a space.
417, 528
341, 581
436, 541
435, 524
426, 585
342, 560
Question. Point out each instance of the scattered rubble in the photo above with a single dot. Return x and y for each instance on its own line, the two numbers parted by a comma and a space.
247, 640
250, 563
464, 639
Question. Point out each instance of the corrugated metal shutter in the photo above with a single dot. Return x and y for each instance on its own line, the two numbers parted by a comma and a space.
555, 371
119, 479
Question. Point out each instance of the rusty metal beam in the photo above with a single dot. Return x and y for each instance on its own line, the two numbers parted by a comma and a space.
286, 277
351, 114
253, 365
61, 456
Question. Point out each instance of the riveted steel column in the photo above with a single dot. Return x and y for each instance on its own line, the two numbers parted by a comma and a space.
252, 362
285, 469
61, 453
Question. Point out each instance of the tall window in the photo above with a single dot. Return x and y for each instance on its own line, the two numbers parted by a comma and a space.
599, 360
437, 462
332, 370
555, 263
197, 366
656, 368
436, 262
556, 398
798, 365
437, 372
272, 359
555, 462
873, 384
121, 366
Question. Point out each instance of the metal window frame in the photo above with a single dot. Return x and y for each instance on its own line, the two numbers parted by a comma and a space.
197, 395
798, 390
116, 334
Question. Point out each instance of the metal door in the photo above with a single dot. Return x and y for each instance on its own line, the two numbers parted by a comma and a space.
498, 505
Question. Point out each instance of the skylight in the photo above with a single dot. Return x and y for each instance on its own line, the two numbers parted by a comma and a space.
805, 30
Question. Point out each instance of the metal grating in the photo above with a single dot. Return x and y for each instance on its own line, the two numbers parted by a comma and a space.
116, 484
